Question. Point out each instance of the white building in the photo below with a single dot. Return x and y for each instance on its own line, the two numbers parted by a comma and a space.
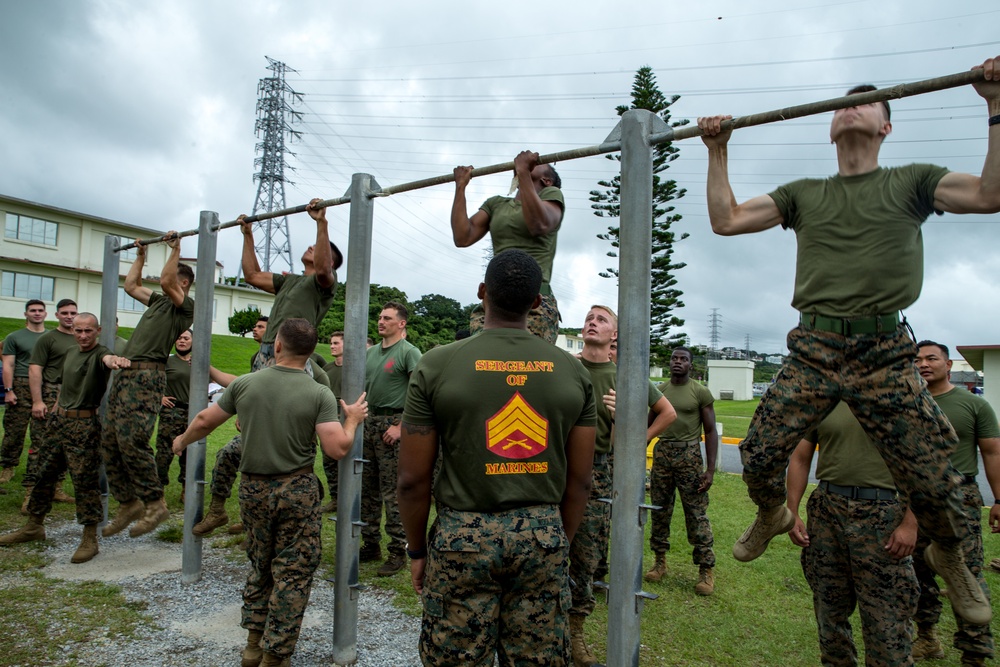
50, 253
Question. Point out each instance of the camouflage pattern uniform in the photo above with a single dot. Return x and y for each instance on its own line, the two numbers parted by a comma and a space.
542, 321
678, 466
133, 406
16, 419
591, 539
173, 422
39, 428
282, 520
472, 555
75, 440
378, 485
968, 637
227, 465
846, 565
875, 375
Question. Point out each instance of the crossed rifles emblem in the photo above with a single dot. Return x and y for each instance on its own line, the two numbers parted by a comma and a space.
520, 443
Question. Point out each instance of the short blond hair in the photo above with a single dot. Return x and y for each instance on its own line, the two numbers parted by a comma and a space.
608, 310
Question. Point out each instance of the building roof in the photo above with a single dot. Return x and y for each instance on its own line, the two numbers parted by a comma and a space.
143, 231
974, 354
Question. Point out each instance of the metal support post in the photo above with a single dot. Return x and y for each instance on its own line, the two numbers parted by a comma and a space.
632, 387
194, 478
109, 328
349, 469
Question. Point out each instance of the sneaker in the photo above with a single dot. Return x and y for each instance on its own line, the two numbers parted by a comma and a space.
768, 524
967, 599
392, 565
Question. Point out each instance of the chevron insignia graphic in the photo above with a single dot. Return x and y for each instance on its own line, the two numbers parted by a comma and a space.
517, 431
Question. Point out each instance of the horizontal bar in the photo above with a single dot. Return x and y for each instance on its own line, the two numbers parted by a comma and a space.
896, 92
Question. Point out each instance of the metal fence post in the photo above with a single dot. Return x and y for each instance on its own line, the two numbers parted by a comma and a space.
201, 349
109, 317
628, 495
349, 470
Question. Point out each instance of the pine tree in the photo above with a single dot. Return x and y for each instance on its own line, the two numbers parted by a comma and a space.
665, 297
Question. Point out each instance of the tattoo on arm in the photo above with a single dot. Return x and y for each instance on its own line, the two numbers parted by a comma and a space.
417, 429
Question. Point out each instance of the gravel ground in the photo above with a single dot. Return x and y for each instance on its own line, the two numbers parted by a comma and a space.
198, 624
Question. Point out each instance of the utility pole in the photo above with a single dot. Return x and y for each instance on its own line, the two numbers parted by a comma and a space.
275, 118
713, 334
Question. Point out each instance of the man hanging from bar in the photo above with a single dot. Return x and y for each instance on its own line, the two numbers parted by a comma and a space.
529, 221
860, 261
136, 393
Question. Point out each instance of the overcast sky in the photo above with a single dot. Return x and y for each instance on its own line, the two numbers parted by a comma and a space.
145, 113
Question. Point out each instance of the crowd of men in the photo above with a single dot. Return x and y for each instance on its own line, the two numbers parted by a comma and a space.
512, 439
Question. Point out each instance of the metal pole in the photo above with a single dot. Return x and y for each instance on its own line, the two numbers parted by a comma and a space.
201, 349
349, 470
628, 494
109, 322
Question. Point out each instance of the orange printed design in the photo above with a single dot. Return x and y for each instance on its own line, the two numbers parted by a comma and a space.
517, 431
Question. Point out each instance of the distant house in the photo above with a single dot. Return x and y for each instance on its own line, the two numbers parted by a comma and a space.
775, 359
50, 253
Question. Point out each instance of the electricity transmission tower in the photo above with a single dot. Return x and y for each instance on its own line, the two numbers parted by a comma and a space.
713, 334
275, 118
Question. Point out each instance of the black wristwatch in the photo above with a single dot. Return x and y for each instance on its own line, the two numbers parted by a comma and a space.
416, 555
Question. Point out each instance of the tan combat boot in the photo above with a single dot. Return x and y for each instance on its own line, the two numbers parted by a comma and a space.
582, 657
967, 598
155, 514
271, 660
60, 496
32, 531
770, 523
393, 564
253, 653
973, 659
927, 646
27, 499
706, 581
659, 568
216, 517
235, 529
127, 513
88, 545
7, 474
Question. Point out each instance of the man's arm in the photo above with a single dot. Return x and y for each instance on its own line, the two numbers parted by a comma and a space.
579, 477
335, 439
38, 407
465, 230
540, 217
322, 254
727, 217
203, 423
965, 193
8, 377
168, 277
262, 280
795, 484
221, 378
711, 447
133, 279
418, 451
664, 416
990, 449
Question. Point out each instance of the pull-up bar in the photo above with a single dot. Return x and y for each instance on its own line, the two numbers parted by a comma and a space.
613, 145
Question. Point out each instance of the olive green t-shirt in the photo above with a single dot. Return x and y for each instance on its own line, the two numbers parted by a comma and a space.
158, 328
688, 400
178, 379
503, 403
120, 345
320, 375
387, 371
20, 344
508, 230
298, 296
972, 418
50, 353
84, 378
336, 375
279, 408
847, 456
603, 376
860, 247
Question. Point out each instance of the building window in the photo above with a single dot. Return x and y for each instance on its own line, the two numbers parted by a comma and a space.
126, 255
125, 302
33, 230
27, 286
579, 344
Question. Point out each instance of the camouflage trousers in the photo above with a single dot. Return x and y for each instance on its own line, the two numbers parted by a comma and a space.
227, 466
330, 470
586, 549
496, 584
874, 374
74, 442
847, 566
542, 321
173, 422
378, 485
16, 420
282, 521
133, 406
677, 469
968, 637
50, 393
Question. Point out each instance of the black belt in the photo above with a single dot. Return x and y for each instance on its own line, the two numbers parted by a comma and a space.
384, 412
254, 477
180, 406
968, 479
850, 326
680, 443
858, 492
